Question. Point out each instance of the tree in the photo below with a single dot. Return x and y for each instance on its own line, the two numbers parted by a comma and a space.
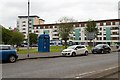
91, 30
6, 35
65, 28
10, 37
33, 38
16, 39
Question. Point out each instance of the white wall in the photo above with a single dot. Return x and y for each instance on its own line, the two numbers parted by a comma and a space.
119, 10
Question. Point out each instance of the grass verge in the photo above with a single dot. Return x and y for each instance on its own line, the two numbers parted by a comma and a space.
35, 50
52, 49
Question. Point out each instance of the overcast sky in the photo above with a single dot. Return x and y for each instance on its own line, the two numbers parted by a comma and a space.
52, 10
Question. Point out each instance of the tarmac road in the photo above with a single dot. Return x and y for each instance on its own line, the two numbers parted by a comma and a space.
60, 67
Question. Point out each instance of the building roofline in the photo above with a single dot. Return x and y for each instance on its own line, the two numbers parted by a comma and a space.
27, 16
79, 22
42, 19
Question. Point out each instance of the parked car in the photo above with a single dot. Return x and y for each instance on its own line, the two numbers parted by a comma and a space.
75, 50
101, 48
8, 53
23, 45
34, 45
119, 49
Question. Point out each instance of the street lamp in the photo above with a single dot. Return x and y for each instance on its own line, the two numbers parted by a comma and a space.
28, 30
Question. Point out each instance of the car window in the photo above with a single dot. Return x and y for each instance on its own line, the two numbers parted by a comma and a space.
82, 47
4, 48
79, 47
71, 47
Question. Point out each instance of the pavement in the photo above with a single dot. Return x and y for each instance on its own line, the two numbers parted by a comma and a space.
39, 55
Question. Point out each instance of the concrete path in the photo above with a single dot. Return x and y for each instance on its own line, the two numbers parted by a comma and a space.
38, 55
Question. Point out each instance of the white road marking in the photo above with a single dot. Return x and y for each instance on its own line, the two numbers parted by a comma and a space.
83, 74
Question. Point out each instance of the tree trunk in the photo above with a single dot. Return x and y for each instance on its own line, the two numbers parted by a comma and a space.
65, 44
90, 44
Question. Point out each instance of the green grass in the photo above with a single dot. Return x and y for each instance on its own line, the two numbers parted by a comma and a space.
89, 48
35, 50
52, 49
56, 48
24, 51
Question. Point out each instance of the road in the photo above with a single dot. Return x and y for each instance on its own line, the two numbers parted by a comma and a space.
60, 67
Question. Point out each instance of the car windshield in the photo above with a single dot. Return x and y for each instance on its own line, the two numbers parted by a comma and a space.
100, 45
71, 47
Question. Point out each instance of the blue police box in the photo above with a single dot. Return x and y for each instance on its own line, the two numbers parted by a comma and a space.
44, 43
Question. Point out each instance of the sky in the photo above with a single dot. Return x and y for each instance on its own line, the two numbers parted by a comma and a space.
52, 10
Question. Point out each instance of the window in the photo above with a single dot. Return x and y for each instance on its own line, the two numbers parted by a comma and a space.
101, 24
51, 26
79, 47
115, 33
114, 38
99, 33
55, 31
55, 26
100, 28
115, 28
24, 22
108, 23
23, 32
4, 48
46, 27
82, 24
113, 23
104, 29
79, 38
104, 33
37, 31
104, 38
41, 27
23, 25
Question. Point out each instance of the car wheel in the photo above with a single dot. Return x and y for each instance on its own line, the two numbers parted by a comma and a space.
73, 54
93, 52
86, 53
12, 59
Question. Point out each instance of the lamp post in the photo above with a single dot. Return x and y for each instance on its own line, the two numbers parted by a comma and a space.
28, 30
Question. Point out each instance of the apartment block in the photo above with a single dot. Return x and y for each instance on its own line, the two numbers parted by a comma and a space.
22, 23
109, 31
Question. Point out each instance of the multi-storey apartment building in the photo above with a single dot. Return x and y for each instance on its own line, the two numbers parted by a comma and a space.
109, 31
22, 23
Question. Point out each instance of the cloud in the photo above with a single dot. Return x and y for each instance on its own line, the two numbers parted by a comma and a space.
52, 10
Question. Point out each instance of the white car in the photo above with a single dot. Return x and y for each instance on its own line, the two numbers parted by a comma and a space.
75, 50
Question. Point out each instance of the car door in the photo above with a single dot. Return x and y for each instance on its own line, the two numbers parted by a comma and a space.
78, 50
5, 52
82, 49
106, 48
